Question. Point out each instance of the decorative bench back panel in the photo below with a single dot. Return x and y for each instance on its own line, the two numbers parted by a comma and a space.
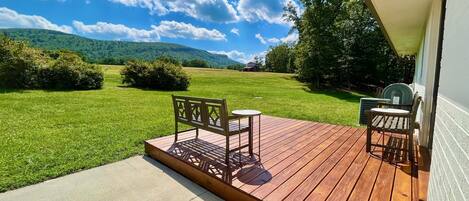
208, 114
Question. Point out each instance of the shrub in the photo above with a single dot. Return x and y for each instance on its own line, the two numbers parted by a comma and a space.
19, 64
169, 59
195, 63
23, 67
156, 75
69, 71
235, 67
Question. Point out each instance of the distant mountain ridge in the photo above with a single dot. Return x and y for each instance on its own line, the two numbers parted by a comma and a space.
104, 51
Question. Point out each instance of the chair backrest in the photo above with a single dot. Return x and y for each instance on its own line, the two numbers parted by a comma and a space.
415, 106
401, 90
205, 113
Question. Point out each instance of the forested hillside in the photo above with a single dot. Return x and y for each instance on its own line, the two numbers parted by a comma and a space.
113, 52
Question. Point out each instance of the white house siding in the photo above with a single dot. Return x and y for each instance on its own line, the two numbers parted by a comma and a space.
449, 174
425, 70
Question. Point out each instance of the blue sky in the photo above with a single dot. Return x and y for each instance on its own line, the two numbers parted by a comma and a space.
240, 29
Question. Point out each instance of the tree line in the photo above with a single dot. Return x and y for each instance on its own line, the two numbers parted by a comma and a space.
340, 45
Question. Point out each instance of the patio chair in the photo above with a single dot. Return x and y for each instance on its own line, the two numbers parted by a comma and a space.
399, 119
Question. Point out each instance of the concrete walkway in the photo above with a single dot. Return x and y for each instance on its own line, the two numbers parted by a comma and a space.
137, 178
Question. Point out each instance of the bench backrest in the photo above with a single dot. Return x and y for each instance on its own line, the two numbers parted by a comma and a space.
205, 113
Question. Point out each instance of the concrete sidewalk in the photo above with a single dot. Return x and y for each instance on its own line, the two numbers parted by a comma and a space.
137, 178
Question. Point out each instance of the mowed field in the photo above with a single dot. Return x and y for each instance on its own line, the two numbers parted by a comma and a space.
46, 134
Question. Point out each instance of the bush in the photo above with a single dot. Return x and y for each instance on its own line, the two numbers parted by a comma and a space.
169, 59
195, 63
235, 67
156, 75
69, 71
23, 67
19, 64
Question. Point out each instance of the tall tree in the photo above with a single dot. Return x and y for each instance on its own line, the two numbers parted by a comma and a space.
278, 59
341, 45
319, 48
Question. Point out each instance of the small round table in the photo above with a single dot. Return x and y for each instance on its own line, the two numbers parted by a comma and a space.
250, 114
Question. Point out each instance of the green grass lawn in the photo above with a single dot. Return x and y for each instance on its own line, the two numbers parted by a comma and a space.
46, 134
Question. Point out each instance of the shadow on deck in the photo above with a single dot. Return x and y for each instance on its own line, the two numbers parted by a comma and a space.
300, 160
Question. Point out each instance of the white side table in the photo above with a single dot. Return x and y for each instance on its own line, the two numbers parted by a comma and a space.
250, 114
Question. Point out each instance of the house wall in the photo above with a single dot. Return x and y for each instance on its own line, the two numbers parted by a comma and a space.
449, 174
424, 76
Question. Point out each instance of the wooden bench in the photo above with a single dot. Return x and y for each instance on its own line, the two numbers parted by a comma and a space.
210, 115
399, 119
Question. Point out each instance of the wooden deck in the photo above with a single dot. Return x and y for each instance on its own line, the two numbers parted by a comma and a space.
300, 160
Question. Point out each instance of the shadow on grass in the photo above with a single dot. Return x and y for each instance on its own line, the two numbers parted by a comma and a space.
149, 89
13, 90
6, 91
341, 94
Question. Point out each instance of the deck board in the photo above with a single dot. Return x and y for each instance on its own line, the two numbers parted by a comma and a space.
277, 156
301, 160
303, 190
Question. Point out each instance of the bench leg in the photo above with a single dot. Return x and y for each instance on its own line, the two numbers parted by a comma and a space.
196, 133
227, 158
227, 151
368, 140
176, 132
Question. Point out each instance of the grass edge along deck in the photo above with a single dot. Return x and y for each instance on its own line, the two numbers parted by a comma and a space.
280, 131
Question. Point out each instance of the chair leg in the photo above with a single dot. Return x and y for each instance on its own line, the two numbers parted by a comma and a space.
196, 133
382, 136
368, 140
411, 147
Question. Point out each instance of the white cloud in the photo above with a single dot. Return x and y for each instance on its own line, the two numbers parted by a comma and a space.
240, 56
117, 31
273, 40
234, 54
155, 6
263, 10
170, 29
223, 11
235, 31
11, 19
173, 29
206, 10
291, 38
261, 39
